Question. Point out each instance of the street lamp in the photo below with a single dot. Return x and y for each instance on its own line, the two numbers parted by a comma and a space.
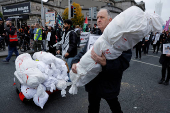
42, 12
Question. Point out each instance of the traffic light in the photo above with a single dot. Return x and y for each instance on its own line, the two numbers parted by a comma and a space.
94, 12
89, 13
73, 11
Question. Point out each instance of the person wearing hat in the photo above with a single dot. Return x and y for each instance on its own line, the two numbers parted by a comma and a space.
37, 38
13, 40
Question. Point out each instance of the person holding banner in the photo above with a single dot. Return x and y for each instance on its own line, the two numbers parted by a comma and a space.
165, 61
107, 83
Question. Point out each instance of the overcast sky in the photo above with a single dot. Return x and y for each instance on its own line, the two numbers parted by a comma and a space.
150, 7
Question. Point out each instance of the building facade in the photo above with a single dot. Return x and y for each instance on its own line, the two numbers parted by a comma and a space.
30, 10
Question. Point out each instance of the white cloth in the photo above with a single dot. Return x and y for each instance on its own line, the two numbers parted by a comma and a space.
40, 101
121, 34
28, 92
48, 36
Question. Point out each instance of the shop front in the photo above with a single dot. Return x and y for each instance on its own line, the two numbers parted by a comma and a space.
18, 13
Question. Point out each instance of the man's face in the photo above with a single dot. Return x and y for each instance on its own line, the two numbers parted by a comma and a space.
66, 26
7, 23
102, 19
49, 27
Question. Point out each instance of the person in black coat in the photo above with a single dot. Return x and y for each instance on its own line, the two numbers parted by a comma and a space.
165, 61
52, 40
107, 83
138, 47
162, 39
69, 45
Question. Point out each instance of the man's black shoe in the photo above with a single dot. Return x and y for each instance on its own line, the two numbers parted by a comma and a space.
161, 81
166, 83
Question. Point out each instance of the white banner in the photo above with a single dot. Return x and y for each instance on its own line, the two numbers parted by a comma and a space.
50, 18
92, 40
84, 37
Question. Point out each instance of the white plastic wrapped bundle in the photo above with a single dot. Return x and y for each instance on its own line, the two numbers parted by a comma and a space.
32, 77
61, 85
23, 62
41, 97
41, 66
121, 34
38, 55
50, 83
45, 57
28, 92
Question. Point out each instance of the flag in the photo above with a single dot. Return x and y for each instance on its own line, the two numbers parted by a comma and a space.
59, 21
85, 24
167, 25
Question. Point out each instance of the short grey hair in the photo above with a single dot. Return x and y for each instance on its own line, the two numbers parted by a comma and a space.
108, 12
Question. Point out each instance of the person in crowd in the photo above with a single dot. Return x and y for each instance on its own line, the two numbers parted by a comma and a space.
52, 39
146, 44
107, 83
138, 48
156, 42
88, 28
13, 40
31, 36
59, 33
2, 32
26, 36
69, 46
96, 30
43, 38
26, 26
37, 38
78, 33
165, 61
162, 39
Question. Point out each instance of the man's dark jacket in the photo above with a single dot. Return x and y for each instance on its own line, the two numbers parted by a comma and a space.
72, 50
52, 39
107, 83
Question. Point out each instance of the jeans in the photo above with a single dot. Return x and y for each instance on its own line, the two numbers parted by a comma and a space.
10, 52
69, 60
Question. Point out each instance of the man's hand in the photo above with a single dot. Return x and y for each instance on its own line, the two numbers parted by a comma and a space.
74, 68
58, 52
143, 44
101, 60
67, 54
168, 55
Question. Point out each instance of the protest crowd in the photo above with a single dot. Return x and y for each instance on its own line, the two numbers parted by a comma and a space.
56, 63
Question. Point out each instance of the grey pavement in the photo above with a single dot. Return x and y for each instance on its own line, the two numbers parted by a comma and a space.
140, 92
5, 53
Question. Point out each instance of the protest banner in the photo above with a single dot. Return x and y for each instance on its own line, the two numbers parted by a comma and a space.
50, 18
92, 40
84, 38
166, 48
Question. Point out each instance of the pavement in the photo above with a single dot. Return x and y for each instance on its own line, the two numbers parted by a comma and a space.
5, 53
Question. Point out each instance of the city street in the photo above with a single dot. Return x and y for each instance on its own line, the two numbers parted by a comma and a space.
140, 91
